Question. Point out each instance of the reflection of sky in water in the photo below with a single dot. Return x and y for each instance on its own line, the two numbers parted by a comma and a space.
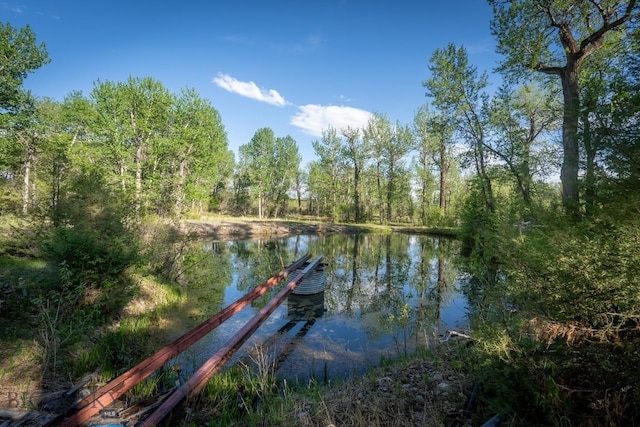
340, 342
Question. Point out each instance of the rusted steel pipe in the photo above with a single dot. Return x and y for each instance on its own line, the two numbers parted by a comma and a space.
199, 380
107, 394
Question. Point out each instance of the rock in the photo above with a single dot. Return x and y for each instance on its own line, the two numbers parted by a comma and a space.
443, 387
384, 382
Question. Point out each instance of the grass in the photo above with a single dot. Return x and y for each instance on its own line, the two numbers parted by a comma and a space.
113, 326
401, 393
47, 337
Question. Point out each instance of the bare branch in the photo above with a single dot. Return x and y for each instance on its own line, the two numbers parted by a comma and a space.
594, 40
549, 70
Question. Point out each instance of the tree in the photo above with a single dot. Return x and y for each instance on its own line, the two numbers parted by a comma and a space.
270, 165
23, 125
608, 123
555, 37
434, 143
458, 92
378, 135
195, 150
394, 152
19, 55
520, 119
622, 135
356, 151
132, 118
299, 187
286, 162
254, 161
331, 164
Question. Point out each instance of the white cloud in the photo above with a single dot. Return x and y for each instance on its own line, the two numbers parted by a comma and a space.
12, 8
313, 119
249, 90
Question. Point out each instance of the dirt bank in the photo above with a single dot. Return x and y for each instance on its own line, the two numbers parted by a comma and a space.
244, 228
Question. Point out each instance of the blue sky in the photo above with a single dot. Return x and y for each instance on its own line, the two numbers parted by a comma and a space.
294, 66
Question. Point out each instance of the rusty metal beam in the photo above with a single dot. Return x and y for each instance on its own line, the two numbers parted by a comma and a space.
107, 394
199, 380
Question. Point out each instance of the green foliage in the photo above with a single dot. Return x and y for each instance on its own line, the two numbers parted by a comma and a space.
517, 382
588, 273
478, 223
19, 55
93, 240
54, 311
268, 169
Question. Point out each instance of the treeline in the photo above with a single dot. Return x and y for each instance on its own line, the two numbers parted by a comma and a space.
155, 152
137, 148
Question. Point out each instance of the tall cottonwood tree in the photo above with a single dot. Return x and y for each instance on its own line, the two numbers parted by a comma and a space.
357, 152
286, 162
330, 164
26, 132
255, 164
433, 133
20, 54
623, 134
608, 122
378, 135
269, 165
195, 150
520, 122
133, 117
555, 37
457, 91
394, 153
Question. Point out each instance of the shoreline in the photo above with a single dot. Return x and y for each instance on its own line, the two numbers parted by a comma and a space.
243, 228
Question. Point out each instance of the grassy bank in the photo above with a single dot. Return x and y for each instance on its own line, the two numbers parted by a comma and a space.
60, 323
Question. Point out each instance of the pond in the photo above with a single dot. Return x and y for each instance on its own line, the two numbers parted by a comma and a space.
385, 296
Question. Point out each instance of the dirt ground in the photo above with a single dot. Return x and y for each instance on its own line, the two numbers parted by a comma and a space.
232, 228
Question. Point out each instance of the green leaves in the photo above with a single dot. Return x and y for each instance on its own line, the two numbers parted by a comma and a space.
269, 165
19, 56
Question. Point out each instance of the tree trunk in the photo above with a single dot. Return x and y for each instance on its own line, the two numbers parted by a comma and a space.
182, 172
28, 161
299, 193
356, 195
390, 184
138, 195
424, 189
589, 177
380, 199
571, 157
481, 170
444, 169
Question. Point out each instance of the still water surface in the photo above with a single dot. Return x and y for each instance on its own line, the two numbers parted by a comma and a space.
385, 295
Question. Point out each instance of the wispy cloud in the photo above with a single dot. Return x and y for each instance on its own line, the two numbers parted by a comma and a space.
482, 46
249, 90
305, 45
12, 8
313, 119
308, 44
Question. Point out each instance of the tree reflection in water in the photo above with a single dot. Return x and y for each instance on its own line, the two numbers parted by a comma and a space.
385, 296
